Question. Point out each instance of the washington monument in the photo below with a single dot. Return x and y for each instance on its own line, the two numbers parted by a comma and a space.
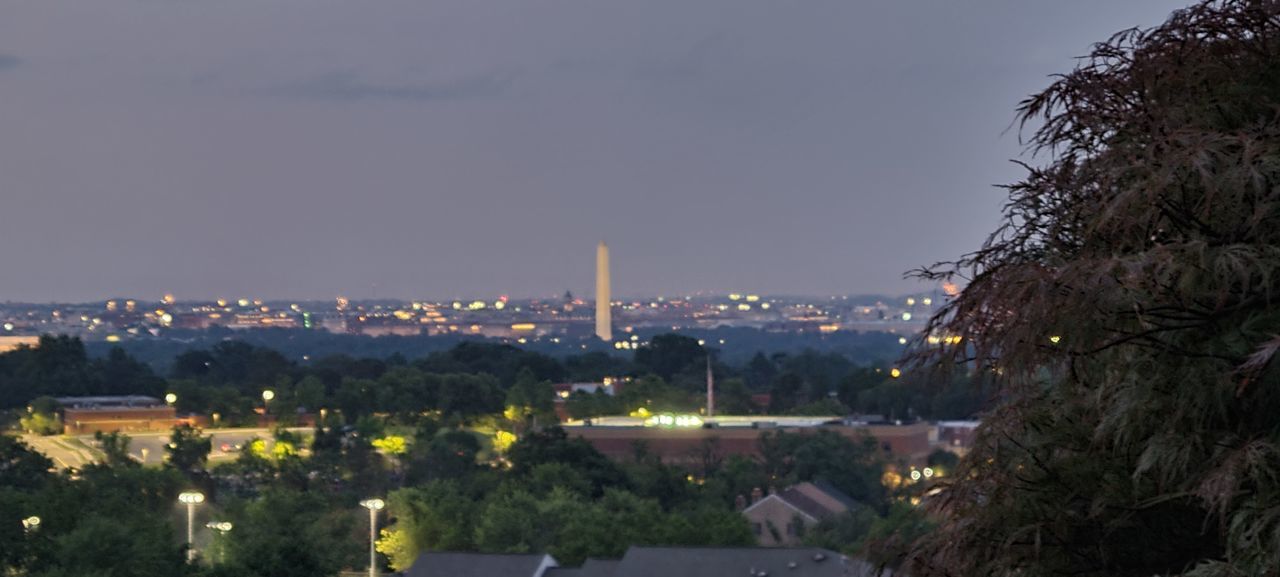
604, 317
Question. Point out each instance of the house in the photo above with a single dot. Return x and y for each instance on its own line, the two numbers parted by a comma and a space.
780, 519
652, 562
444, 564
590, 568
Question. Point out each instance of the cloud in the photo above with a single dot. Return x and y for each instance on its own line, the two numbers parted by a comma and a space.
8, 62
349, 86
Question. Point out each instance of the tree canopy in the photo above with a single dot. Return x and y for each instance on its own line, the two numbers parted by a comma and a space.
1126, 309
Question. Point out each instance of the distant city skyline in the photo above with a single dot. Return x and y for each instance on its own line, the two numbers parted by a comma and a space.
456, 148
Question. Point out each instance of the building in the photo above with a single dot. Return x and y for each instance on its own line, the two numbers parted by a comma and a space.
957, 436
444, 564
617, 437
652, 562
87, 415
780, 519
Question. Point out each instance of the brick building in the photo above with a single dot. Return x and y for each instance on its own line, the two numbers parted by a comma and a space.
87, 415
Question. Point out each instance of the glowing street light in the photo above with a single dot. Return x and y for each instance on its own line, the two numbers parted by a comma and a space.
222, 527
267, 395
30, 523
191, 499
373, 505
170, 398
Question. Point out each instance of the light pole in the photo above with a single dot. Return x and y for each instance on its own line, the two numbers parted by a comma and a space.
373, 505
267, 395
191, 498
222, 527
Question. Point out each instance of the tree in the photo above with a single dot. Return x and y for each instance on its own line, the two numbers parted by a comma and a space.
115, 449
437, 515
1126, 310
451, 455
667, 355
287, 533
20, 466
188, 451
553, 445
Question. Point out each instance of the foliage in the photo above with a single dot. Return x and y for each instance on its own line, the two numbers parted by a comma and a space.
115, 449
286, 533
41, 423
852, 466
668, 355
1126, 310
188, 451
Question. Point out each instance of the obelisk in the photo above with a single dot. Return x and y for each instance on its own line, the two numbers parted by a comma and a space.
604, 315
711, 389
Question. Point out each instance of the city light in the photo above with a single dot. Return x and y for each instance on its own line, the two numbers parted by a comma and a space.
170, 398
906, 316
895, 372
268, 395
1054, 339
668, 420
30, 523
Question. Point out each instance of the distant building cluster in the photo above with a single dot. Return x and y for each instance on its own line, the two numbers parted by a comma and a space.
567, 318
555, 319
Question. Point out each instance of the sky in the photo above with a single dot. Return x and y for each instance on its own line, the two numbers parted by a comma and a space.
454, 148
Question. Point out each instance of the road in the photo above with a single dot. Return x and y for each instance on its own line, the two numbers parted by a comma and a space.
66, 452
146, 447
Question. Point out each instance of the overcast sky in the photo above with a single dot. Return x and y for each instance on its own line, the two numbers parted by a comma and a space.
440, 149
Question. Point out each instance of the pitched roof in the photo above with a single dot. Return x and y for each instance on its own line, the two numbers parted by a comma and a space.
591, 568
738, 562
831, 491
779, 499
819, 499
445, 564
804, 503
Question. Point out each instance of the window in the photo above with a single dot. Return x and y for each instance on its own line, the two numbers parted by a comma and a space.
757, 528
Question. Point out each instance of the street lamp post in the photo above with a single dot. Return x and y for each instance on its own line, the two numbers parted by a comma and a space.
191, 499
222, 527
267, 395
30, 523
373, 505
